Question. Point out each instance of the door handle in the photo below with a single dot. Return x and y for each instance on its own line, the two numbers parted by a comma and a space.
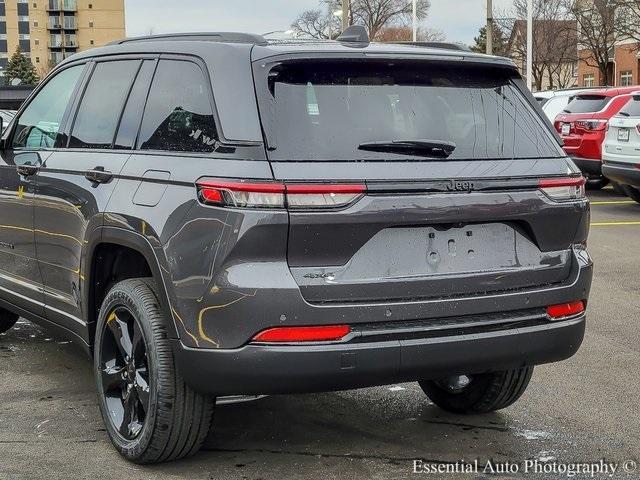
98, 175
27, 170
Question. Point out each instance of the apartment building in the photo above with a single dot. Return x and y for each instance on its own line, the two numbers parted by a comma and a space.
623, 70
48, 31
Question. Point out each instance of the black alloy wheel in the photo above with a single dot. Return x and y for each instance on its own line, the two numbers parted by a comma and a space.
125, 373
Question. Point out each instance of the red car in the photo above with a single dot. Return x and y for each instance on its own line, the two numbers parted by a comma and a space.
583, 125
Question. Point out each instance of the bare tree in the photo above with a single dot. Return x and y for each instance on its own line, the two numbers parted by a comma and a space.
313, 23
555, 45
405, 34
601, 25
373, 14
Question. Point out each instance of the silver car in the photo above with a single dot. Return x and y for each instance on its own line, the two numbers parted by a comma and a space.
621, 149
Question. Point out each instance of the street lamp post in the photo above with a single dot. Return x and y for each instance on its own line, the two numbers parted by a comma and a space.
345, 14
415, 20
530, 44
489, 27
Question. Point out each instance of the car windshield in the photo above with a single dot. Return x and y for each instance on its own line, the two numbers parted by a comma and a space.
327, 110
587, 104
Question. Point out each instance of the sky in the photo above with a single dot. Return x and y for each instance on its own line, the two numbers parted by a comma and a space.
458, 19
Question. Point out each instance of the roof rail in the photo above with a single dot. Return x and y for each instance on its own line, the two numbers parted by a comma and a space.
229, 37
443, 45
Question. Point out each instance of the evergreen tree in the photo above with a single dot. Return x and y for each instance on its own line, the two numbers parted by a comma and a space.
20, 67
500, 42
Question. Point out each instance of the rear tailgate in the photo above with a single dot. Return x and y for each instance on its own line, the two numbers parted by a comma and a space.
411, 240
427, 226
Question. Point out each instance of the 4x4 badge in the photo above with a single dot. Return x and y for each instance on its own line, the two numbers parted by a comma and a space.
460, 186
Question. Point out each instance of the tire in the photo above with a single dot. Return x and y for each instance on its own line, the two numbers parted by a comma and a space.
617, 188
597, 183
166, 419
631, 192
7, 320
483, 393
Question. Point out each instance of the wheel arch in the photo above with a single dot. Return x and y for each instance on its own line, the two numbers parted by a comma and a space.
112, 238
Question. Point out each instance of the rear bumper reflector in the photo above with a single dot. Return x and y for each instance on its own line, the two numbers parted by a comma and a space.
328, 333
564, 310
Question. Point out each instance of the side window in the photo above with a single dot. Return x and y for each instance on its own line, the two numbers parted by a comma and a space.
178, 116
39, 125
102, 103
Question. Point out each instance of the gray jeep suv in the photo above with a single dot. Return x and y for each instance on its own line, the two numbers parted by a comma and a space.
215, 214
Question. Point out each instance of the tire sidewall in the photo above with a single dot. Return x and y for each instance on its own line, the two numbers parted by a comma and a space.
121, 297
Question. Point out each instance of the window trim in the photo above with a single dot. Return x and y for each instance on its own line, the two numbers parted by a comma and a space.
250, 150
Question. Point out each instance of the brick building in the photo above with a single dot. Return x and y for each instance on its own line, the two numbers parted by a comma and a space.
624, 69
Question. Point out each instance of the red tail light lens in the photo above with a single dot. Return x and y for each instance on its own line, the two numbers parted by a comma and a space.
278, 195
564, 310
241, 194
561, 189
638, 128
592, 125
330, 333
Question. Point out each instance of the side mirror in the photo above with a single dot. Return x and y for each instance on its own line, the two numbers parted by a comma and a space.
27, 158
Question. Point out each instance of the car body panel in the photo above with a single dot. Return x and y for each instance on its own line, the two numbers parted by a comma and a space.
225, 274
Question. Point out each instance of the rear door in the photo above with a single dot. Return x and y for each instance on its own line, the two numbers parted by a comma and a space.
74, 185
440, 164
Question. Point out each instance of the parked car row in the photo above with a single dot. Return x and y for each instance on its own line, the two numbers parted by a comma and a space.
600, 129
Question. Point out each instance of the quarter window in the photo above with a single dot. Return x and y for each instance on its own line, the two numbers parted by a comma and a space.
39, 125
178, 116
101, 106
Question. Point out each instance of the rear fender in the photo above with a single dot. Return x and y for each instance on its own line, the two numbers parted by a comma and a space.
153, 255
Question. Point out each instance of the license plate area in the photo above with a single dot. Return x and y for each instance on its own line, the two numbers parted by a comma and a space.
431, 262
623, 134
566, 128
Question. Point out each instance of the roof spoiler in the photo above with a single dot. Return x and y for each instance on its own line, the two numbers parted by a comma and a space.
354, 34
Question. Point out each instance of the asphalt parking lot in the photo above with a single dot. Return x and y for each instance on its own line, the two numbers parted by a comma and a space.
584, 409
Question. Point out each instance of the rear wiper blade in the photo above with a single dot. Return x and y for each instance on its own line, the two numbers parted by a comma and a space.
433, 148
624, 114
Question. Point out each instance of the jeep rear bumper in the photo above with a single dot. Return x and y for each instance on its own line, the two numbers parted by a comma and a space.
268, 369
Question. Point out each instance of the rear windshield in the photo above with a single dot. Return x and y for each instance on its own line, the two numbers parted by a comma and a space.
587, 104
632, 108
326, 110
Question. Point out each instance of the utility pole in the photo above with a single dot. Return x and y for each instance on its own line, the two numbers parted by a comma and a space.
346, 7
530, 44
489, 27
415, 20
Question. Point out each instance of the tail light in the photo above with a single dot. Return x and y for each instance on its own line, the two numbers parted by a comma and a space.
329, 333
278, 195
592, 125
242, 194
564, 310
638, 128
559, 189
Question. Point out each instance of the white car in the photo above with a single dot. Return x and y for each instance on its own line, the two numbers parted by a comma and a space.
553, 102
621, 149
